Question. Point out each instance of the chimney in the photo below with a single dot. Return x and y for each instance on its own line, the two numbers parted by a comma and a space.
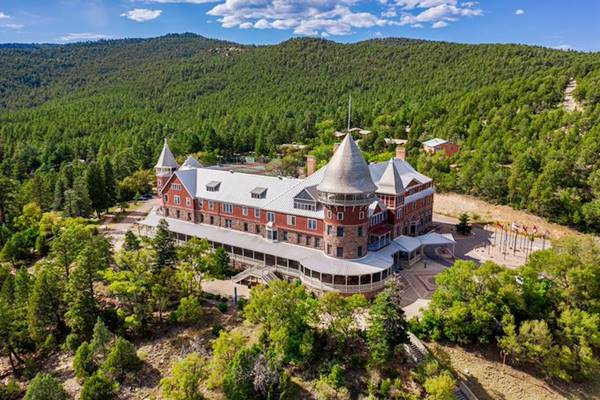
311, 165
400, 152
335, 146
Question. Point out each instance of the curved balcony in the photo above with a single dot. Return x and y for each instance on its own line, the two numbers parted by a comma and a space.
355, 199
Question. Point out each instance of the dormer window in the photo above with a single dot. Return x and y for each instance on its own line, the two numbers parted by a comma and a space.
213, 186
259, 193
176, 186
306, 199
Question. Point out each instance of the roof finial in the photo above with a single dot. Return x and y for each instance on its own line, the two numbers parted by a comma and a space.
349, 111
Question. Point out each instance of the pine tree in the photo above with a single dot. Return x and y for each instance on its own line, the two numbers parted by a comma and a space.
82, 305
59, 195
46, 307
110, 184
131, 242
96, 188
164, 245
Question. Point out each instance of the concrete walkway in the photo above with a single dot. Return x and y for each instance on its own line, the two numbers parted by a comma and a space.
115, 226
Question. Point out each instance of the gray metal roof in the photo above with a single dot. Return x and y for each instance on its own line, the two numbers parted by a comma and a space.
391, 181
405, 170
166, 159
434, 142
190, 162
347, 172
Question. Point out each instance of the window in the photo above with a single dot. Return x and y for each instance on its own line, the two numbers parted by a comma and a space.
211, 204
165, 198
361, 215
259, 193
189, 216
317, 242
227, 223
285, 236
177, 200
305, 205
329, 228
360, 251
340, 216
245, 227
227, 208
213, 186
312, 224
257, 213
329, 214
360, 231
188, 202
291, 220
177, 213
270, 216
244, 211
339, 251
299, 239
308, 240
212, 220
257, 228
340, 231
328, 249
176, 186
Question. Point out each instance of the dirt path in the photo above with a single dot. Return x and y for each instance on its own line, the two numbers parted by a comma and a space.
570, 103
115, 226
453, 204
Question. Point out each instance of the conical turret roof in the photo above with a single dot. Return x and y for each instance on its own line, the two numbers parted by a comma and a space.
166, 159
190, 163
391, 181
347, 171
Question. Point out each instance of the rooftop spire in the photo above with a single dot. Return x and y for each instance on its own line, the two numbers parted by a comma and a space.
347, 172
166, 159
390, 182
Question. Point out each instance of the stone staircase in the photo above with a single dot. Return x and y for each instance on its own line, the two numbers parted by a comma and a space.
265, 274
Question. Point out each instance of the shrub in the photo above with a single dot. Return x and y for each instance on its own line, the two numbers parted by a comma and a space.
99, 387
238, 379
10, 391
463, 226
72, 342
45, 387
222, 307
336, 376
189, 311
184, 382
440, 387
101, 338
121, 359
83, 363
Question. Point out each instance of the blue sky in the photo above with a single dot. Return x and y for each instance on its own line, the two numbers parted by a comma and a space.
553, 23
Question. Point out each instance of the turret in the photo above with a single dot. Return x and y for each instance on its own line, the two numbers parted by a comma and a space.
346, 191
165, 167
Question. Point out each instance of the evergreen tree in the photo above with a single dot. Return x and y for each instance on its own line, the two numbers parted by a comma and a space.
46, 306
99, 387
59, 195
96, 188
83, 362
131, 243
110, 183
100, 338
164, 246
82, 305
45, 387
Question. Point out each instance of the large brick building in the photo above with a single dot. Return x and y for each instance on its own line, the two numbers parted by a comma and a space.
345, 227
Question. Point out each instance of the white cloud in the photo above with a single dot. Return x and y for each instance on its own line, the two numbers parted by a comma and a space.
12, 26
180, 1
83, 37
141, 14
4, 16
336, 17
520, 12
564, 47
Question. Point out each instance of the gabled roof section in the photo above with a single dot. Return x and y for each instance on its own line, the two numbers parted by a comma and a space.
213, 186
405, 170
391, 181
190, 163
308, 193
166, 159
347, 172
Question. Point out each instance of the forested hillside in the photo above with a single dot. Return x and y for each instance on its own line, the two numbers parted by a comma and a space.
118, 99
